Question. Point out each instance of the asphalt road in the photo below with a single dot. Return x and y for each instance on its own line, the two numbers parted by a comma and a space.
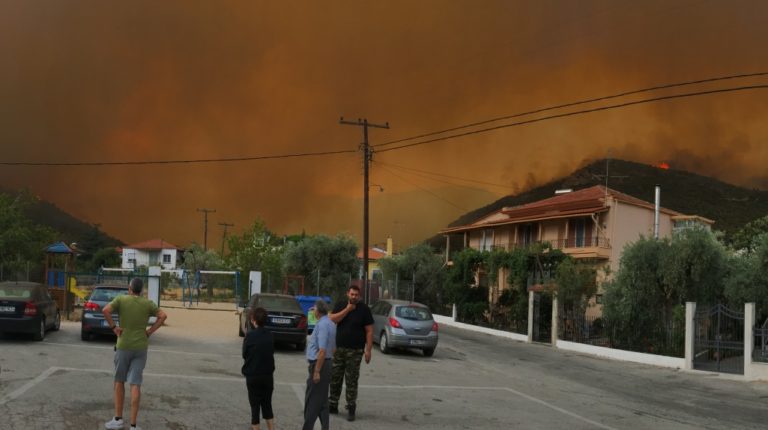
473, 381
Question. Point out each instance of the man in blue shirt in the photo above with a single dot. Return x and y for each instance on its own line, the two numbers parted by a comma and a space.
320, 350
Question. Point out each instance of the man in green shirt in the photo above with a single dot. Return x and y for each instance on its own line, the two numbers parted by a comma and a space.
133, 311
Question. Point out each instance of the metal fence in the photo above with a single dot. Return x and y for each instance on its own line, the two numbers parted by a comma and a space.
663, 339
760, 349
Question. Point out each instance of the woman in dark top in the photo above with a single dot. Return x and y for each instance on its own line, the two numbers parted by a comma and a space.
259, 356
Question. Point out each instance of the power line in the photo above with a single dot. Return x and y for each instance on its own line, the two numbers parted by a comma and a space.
576, 103
580, 112
192, 161
426, 190
445, 176
443, 181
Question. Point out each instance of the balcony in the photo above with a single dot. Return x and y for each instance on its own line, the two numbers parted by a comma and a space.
582, 247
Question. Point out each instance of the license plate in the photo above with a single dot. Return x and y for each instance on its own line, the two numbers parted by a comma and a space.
105, 323
281, 321
7, 309
417, 342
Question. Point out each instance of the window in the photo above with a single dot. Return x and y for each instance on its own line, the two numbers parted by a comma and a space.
579, 230
166, 258
527, 234
375, 308
416, 313
107, 294
486, 241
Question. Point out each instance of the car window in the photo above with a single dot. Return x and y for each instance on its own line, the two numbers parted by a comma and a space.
21, 292
107, 294
376, 309
276, 302
416, 313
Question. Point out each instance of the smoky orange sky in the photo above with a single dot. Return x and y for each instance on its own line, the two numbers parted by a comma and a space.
145, 80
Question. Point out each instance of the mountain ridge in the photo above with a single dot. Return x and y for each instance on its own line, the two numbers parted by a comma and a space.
730, 206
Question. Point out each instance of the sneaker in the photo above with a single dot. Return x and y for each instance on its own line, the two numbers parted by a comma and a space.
114, 424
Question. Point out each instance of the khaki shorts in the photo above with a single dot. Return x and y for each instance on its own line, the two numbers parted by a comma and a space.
129, 366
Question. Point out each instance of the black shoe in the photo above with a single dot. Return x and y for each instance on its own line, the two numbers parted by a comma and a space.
334, 409
351, 415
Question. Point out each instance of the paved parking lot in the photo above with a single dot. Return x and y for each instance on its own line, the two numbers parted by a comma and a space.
193, 381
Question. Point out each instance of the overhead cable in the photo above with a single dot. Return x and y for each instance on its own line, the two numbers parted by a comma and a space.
580, 112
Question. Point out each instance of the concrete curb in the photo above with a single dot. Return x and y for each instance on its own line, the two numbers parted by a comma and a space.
598, 351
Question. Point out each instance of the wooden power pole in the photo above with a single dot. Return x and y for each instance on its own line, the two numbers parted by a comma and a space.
367, 155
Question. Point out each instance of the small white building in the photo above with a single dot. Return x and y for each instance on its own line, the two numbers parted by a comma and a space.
155, 252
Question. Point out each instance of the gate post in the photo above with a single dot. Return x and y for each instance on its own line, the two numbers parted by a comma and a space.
530, 316
153, 289
555, 321
749, 338
690, 312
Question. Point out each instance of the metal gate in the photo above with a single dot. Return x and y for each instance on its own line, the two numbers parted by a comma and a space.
542, 317
719, 340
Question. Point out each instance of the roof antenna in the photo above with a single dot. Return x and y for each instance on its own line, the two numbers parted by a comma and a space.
607, 160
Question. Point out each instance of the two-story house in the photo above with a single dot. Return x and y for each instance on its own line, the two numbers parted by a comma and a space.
155, 252
593, 223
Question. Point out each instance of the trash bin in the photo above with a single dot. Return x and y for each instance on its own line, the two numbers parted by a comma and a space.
307, 303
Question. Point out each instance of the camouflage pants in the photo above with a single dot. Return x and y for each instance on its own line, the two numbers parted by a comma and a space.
346, 365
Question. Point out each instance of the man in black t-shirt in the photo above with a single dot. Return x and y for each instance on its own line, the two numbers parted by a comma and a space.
354, 339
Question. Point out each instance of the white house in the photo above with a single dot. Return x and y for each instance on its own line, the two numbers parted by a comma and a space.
155, 252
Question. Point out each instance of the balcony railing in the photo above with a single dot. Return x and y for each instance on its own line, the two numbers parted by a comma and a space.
573, 242
581, 242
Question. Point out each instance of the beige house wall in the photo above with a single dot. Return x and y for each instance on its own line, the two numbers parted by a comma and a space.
549, 230
626, 223
501, 237
475, 236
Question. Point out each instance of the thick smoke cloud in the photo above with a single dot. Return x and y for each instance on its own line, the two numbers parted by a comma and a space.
85, 81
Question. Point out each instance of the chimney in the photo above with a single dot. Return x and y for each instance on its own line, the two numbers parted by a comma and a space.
390, 247
657, 205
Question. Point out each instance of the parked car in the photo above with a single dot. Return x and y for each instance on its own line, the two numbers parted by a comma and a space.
27, 307
93, 321
285, 318
403, 324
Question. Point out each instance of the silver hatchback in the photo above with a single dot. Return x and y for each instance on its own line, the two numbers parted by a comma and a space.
403, 324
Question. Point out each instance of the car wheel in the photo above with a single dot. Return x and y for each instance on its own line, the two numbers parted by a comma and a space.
428, 352
85, 335
383, 345
40, 335
57, 322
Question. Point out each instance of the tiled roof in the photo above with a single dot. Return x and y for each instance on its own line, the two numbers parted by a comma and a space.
373, 254
584, 201
153, 244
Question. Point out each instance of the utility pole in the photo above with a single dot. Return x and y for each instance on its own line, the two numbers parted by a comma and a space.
224, 236
367, 156
205, 226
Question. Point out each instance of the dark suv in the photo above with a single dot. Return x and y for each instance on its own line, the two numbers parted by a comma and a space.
285, 318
